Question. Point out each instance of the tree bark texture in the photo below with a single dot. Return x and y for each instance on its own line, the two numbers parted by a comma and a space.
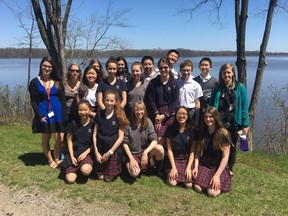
52, 29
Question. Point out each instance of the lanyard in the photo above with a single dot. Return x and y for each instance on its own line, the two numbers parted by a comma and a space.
47, 89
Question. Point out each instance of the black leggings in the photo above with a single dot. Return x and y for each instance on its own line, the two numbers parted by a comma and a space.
234, 136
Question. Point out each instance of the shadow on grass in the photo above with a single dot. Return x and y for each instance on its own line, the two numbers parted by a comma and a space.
33, 159
126, 177
81, 179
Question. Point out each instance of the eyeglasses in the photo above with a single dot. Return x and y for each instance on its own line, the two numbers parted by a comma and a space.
47, 66
164, 67
77, 71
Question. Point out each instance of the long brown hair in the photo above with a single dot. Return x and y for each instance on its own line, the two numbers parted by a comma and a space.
133, 118
120, 114
221, 134
55, 75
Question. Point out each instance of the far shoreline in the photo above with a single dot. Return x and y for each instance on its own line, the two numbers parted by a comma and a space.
11, 52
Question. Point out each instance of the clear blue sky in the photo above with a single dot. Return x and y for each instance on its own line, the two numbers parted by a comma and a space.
155, 24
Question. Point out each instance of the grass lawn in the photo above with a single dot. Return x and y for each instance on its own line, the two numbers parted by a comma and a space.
259, 185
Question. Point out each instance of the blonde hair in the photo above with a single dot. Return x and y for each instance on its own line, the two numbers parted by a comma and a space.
133, 118
221, 82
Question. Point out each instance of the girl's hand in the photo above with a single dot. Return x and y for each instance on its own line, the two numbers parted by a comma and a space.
173, 174
159, 118
215, 182
105, 157
74, 161
144, 159
81, 157
92, 114
195, 172
99, 157
157, 126
188, 174
133, 165
43, 119
246, 130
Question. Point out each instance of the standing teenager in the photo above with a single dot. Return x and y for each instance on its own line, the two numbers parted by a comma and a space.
161, 99
231, 100
112, 82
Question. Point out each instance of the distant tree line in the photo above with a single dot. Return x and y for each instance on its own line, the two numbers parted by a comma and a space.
157, 53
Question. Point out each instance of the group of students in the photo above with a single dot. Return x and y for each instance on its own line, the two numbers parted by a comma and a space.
157, 118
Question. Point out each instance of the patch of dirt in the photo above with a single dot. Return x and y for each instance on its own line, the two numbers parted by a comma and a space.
26, 203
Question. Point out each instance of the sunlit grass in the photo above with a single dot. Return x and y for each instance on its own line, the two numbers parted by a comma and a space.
259, 186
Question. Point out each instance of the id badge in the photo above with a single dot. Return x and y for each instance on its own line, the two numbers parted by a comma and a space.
50, 114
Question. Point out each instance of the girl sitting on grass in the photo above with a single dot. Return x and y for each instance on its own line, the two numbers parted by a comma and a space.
79, 144
108, 135
211, 171
140, 141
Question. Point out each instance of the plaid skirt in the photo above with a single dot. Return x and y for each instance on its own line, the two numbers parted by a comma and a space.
181, 160
112, 167
74, 169
167, 121
206, 171
137, 157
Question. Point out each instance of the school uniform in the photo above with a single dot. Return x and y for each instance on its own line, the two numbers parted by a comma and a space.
107, 135
208, 164
119, 86
162, 99
207, 84
138, 140
153, 75
181, 146
82, 140
190, 90
134, 94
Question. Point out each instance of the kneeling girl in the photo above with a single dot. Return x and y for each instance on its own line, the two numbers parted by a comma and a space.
211, 169
108, 135
79, 144
180, 149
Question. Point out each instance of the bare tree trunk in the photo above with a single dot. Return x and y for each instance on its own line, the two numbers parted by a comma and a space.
261, 63
53, 31
240, 23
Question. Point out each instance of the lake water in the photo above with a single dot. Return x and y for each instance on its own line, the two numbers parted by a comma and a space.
14, 72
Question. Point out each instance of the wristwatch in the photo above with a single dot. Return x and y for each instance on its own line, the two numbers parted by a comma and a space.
111, 152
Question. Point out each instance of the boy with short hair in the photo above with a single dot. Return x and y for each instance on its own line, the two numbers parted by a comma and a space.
190, 91
173, 56
148, 67
206, 81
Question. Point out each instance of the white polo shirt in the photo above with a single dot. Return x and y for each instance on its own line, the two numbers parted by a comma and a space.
189, 92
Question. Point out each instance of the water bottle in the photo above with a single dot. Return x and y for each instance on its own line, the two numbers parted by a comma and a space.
243, 143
